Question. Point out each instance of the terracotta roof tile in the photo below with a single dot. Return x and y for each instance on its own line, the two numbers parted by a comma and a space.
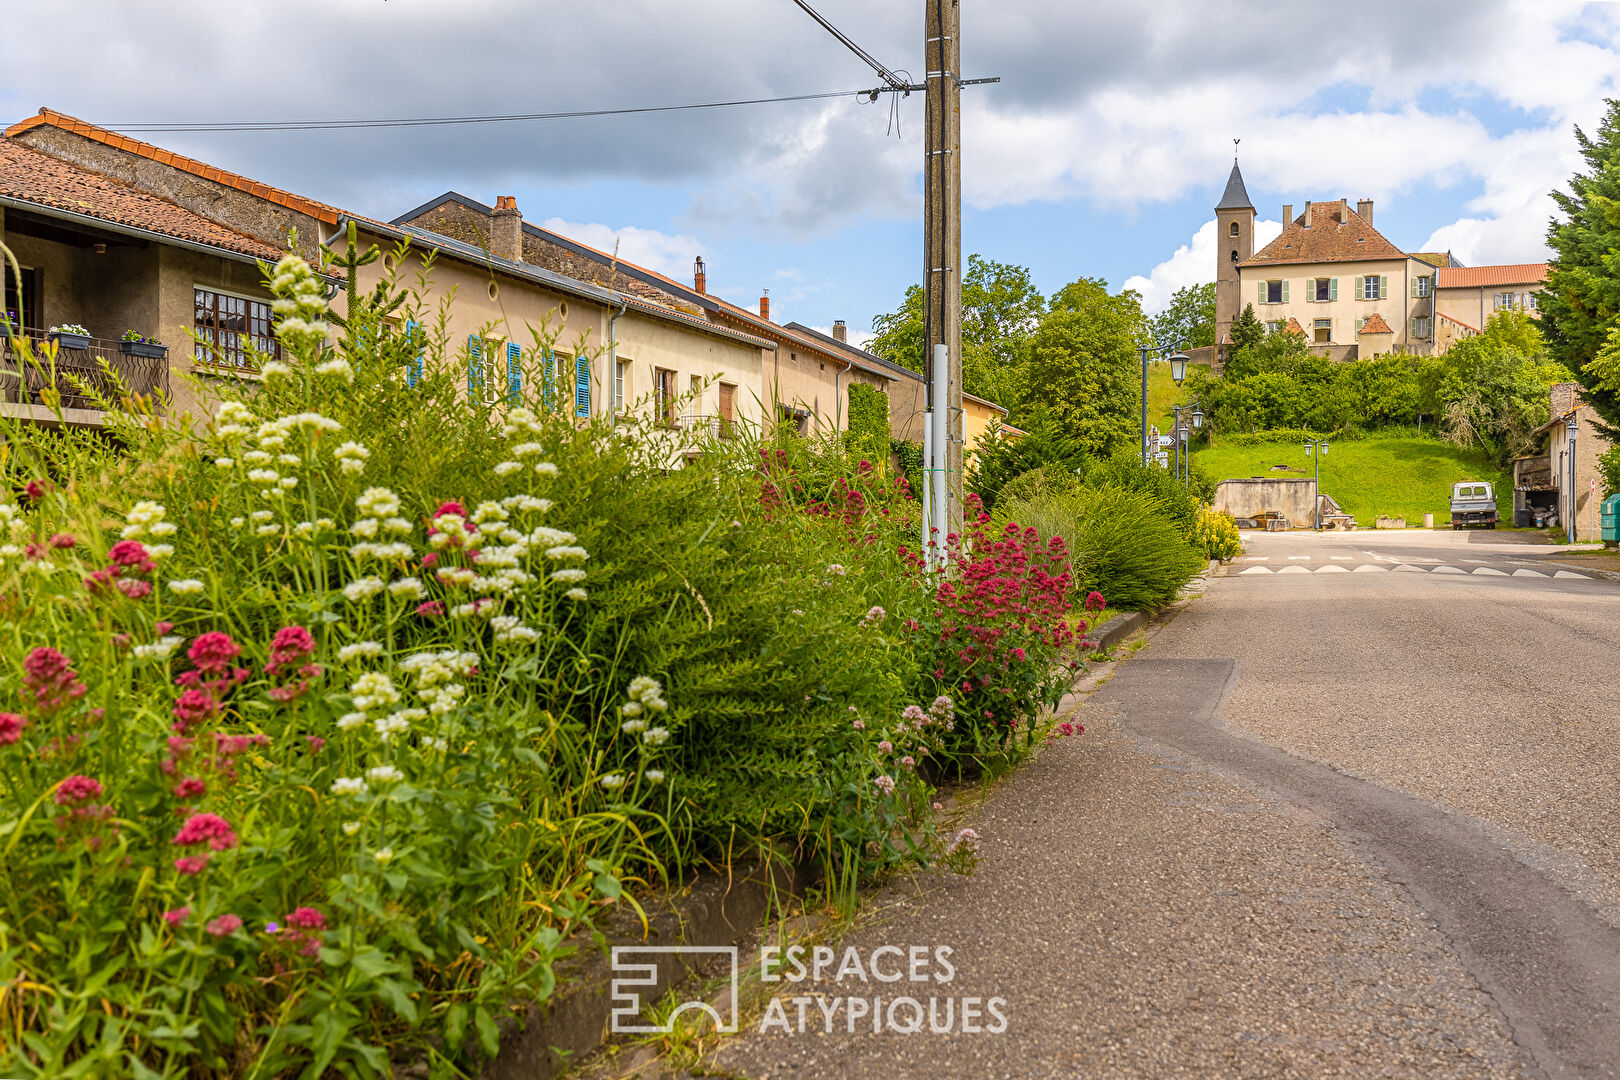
1375, 324
31, 176
1473, 277
1293, 326
52, 118
1327, 240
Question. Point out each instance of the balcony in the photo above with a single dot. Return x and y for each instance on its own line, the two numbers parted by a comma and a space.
77, 371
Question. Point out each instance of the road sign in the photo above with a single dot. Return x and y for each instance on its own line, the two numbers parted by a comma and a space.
1166, 440
1162, 458
1594, 485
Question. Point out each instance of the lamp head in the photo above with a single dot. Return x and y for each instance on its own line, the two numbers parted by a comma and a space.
1198, 418
1178, 367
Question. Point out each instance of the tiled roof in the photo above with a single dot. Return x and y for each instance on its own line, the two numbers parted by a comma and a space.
1293, 326
1236, 196
1375, 324
1474, 277
52, 118
31, 176
1442, 259
1327, 240
1459, 322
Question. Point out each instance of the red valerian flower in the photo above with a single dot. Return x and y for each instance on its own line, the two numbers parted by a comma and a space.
63, 540
177, 916
1095, 601
128, 553
49, 680
288, 648
213, 652
191, 865
190, 788
224, 926
430, 609
77, 789
210, 829
307, 918
11, 727
192, 707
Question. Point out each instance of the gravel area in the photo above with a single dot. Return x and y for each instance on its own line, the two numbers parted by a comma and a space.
1144, 917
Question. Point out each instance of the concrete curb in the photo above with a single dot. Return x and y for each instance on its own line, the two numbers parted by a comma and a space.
715, 911
1120, 627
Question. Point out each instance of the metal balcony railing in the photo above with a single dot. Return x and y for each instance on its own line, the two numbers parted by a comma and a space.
76, 370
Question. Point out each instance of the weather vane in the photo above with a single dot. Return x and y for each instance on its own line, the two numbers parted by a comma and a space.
1234, 148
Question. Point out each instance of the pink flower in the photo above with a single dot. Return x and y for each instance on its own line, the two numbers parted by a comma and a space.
288, 649
315, 743
213, 652
134, 589
307, 918
11, 727
190, 788
63, 540
211, 829
191, 864
224, 926
885, 784
193, 707
450, 508
858, 725
430, 609
885, 746
177, 916
1095, 601
128, 553
77, 789
430, 560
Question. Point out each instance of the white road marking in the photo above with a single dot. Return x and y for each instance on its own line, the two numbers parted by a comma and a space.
1522, 572
1421, 559
1299, 558
1256, 570
1331, 568
1368, 567
1257, 558
1293, 570
1448, 570
1570, 573
1473, 562
1340, 558
1490, 571
1410, 568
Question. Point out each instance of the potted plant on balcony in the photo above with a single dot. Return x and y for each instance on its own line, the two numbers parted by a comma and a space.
135, 343
10, 326
70, 336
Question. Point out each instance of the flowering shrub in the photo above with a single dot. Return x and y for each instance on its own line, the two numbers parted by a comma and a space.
1216, 532
334, 711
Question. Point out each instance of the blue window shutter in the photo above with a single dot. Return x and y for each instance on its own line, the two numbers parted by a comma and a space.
475, 364
549, 382
514, 373
582, 386
413, 370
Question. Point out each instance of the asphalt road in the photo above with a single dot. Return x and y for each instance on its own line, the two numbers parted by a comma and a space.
1328, 823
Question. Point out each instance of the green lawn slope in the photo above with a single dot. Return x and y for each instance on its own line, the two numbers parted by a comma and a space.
1404, 477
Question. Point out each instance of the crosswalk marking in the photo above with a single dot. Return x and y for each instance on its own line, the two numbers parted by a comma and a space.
1331, 568
1571, 573
1371, 568
1300, 558
1447, 570
1522, 572
1490, 571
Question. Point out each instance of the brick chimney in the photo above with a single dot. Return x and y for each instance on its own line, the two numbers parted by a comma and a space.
700, 280
840, 331
506, 230
765, 305
1364, 210
1288, 214
1307, 213
1562, 398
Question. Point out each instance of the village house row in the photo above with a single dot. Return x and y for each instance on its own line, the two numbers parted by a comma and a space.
124, 239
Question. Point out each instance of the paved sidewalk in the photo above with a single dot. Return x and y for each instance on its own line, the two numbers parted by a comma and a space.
1145, 917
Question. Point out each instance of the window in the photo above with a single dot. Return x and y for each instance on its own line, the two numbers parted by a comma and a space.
1530, 301
1323, 289
1420, 326
620, 371
234, 326
1275, 326
1504, 300
728, 409
1233, 230
582, 386
1234, 255
1274, 292
665, 382
1421, 286
1323, 332
1372, 287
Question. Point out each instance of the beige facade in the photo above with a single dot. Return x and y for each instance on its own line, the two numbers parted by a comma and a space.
978, 414
1332, 302
1583, 499
1469, 296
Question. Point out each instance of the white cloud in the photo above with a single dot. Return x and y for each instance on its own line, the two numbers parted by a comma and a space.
670, 255
1192, 264
861, 339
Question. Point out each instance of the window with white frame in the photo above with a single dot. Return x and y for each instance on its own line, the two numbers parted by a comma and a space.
1369, 287
1422, 326
1530, 301
620, 368
1422, 286
230, 329
1322, 289
1506, 300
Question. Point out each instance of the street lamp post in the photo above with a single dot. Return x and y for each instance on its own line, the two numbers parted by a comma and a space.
1320, 447
1573, 427
1178, 371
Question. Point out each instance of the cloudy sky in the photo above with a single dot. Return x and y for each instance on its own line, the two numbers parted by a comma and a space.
1099, 154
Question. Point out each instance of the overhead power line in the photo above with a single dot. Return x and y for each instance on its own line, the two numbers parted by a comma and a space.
445, 121
892, 78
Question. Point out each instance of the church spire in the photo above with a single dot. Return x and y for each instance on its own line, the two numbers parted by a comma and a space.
1236, 196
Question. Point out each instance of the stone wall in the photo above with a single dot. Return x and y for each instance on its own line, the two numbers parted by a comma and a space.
1248, 498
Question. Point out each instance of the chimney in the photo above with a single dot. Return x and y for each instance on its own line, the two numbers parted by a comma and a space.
1344, 211
765, 305
506, 230
1307, 213
1561, 398
840, 331
1364, 210
1288, 214
700, 280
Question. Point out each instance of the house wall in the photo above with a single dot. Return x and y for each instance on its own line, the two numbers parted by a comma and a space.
195, 386
977, 417
646, 343
1474, 305
799, 378
1397, 309
1589, 446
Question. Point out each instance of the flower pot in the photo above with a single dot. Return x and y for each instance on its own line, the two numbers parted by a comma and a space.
144, 348
71, 341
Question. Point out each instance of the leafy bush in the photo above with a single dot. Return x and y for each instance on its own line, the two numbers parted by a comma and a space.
342, 705
868, 434
1125, 544
1217, 534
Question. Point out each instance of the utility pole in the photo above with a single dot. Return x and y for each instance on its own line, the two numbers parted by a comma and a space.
942, 255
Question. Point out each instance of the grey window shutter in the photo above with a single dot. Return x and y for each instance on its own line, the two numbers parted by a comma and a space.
1260, 294
1285, 290
1383, 286
1359, 293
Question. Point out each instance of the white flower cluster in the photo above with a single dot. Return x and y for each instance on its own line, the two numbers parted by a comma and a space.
186, 586
436, 675
351, 457
233, 421
145, 523
521, 424
379, 509
15, 529
374, 690
336, 368
358, 649
299, 305
161, 649
509, 628
646, 697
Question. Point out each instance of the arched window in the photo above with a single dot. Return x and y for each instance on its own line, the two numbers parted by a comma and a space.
1234, 255
1233, 231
